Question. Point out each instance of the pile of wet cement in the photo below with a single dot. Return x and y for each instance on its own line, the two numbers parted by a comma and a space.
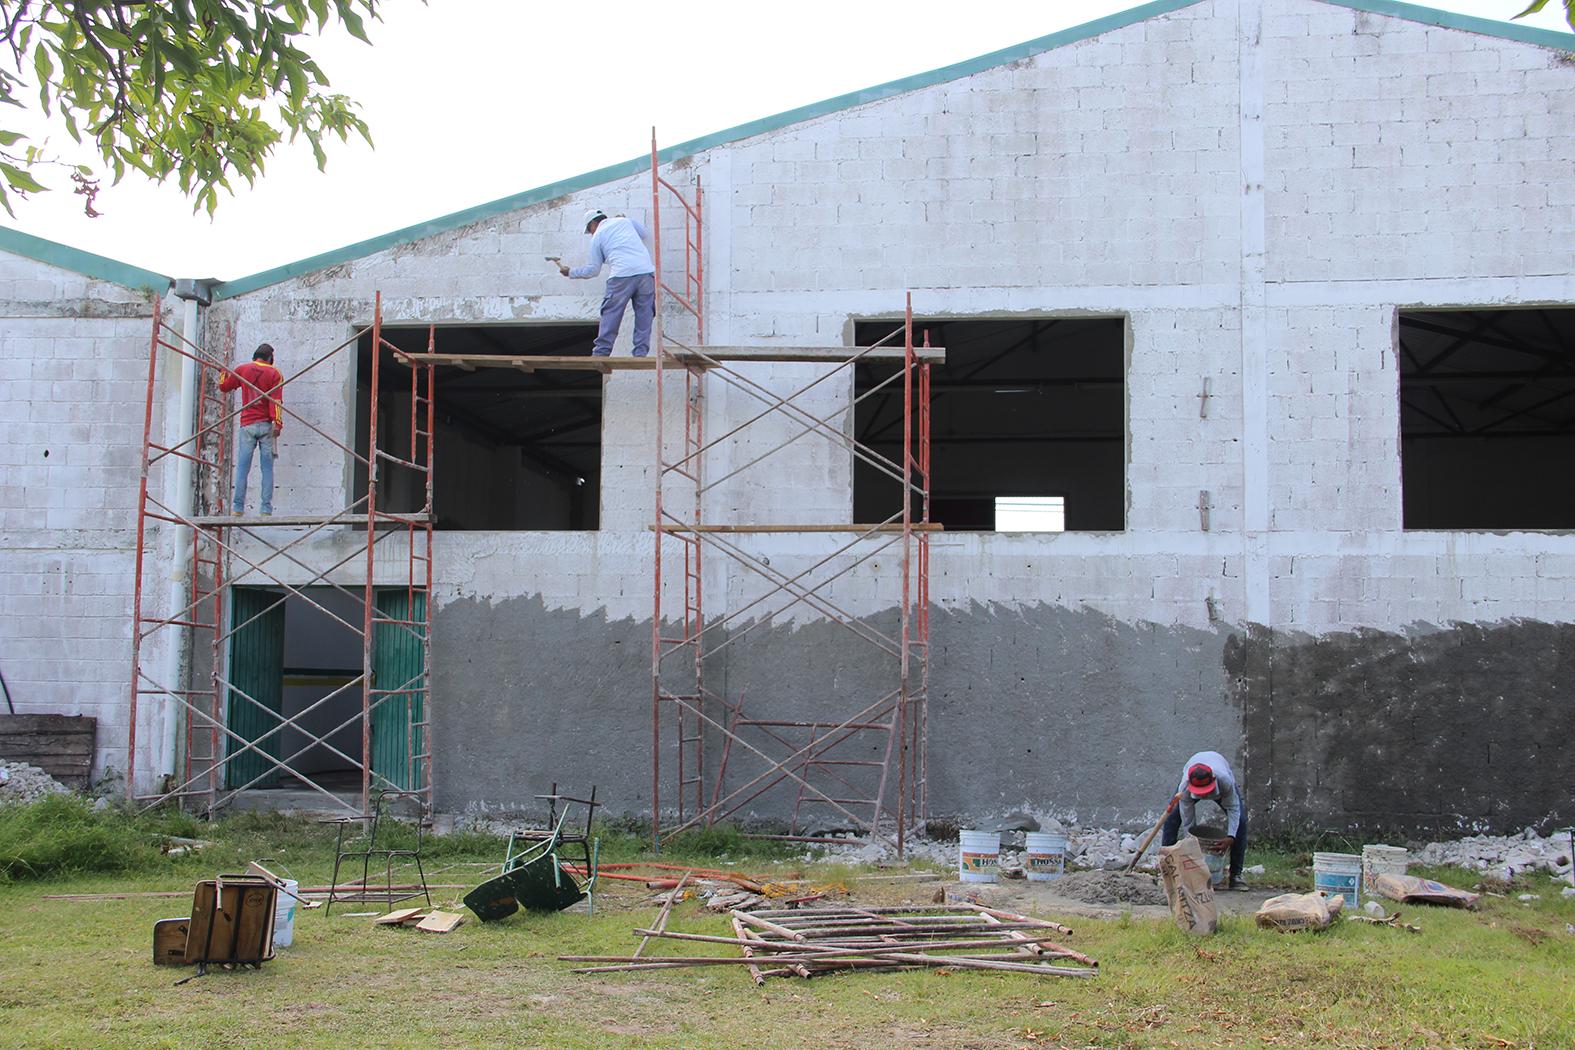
1109, 887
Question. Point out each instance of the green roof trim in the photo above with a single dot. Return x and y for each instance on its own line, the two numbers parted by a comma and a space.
87, 264
1468, 23
551, 191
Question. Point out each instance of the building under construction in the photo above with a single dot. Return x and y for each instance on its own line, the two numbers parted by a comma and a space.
1202, 377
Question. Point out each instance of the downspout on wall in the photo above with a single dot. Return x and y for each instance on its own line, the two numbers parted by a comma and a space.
179, 431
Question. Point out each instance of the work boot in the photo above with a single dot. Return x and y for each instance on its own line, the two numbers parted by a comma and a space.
1237, 883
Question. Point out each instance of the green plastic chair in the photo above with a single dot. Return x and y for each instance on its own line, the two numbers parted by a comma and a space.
533, 876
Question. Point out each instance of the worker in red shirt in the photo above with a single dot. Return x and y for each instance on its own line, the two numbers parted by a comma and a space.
262, 420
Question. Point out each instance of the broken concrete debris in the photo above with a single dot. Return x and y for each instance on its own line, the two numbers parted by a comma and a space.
1502, 856
21, 782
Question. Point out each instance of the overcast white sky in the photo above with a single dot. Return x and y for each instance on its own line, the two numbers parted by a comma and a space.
472, 100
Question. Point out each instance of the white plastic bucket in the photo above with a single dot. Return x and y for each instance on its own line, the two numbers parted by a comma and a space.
1337, 873
978, 856
1382, 860
1044, 855
284, 914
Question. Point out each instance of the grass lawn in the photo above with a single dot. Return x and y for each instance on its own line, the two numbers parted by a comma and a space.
79, 975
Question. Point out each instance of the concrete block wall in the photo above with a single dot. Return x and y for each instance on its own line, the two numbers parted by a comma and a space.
1255, 186
75, 355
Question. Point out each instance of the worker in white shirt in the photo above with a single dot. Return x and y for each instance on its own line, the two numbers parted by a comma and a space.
1207, 776
619, 243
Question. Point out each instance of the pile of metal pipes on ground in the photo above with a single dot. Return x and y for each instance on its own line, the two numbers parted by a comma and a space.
803, 942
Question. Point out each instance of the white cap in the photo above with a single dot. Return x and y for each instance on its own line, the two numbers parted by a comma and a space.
592, 215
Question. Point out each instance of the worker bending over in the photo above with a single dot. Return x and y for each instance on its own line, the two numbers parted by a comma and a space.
262, 420
620, 243
1208, 777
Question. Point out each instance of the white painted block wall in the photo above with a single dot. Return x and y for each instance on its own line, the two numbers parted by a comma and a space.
1255, 185
72, 399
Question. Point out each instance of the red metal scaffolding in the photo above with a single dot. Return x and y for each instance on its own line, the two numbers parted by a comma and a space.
217, 758
821, 760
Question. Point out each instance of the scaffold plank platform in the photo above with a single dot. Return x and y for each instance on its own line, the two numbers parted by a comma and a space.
887, 527
256, 521
825, 355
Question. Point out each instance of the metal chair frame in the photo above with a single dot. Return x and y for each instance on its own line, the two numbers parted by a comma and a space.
386, 895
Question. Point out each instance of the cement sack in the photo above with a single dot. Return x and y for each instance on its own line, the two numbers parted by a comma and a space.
1292, 912
1188, 887
1408, 889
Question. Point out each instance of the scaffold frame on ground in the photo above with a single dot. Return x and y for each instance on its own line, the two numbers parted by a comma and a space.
880, 798
219, 551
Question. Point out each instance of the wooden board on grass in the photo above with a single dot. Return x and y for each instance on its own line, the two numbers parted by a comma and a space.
440, 922
401, 917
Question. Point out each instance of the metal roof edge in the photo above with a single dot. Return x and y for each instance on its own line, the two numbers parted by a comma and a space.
98, 267
1468, 23
775, 122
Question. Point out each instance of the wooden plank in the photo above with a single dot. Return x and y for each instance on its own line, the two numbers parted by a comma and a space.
678, 357
400, 917
878, 529
60, 745
209, 520
440, 922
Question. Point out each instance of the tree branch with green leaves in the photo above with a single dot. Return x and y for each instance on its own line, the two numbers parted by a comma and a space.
1537, 5
198, 92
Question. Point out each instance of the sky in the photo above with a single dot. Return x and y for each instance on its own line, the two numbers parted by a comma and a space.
472, 100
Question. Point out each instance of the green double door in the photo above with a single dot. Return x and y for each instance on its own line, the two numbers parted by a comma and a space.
255, 704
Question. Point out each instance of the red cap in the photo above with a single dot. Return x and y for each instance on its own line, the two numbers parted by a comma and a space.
1200, 780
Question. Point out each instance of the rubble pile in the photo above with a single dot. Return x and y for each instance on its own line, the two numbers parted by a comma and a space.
1109, 887
1502, 856
20, 782
1107, 848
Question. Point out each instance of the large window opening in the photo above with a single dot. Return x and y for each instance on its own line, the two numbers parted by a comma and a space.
514, 449
1487, 418
1027, 422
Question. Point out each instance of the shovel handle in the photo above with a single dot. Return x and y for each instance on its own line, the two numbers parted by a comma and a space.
1155, 831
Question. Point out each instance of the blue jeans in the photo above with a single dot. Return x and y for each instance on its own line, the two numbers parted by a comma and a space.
642, 289
254, 436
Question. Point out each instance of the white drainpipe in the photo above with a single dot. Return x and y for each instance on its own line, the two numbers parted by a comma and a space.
179, 430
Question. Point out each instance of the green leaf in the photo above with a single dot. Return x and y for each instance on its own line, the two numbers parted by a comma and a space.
20, 179
10, 138
43, 66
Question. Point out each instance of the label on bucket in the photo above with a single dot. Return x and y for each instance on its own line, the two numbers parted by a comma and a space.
1046, 861
979, 861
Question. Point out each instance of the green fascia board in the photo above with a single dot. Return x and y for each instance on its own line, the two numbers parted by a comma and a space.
613, 172
1468, 23
945, 74
85, 263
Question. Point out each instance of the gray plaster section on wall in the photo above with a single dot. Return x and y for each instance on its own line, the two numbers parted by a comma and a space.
1070, 712
1064, 711
525, 696
1435, 730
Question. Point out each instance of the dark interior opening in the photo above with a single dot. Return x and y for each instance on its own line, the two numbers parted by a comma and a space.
322, 658
1487, 418
1028, 425
514, 450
